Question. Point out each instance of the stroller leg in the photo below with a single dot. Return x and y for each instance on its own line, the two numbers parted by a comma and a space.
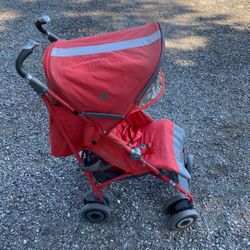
176, 186
180, 207
93, 185
166, 179
96, 204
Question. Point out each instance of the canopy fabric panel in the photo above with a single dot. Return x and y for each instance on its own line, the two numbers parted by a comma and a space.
105, 73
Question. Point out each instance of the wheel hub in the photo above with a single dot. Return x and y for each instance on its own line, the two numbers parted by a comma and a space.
185, 222
95, 215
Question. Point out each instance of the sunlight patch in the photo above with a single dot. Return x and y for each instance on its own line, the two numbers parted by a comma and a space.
186, 43
89, 13
184, 62
8, 15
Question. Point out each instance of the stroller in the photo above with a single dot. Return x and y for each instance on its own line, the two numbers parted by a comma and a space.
98, 88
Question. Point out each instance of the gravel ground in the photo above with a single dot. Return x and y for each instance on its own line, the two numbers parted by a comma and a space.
207, 93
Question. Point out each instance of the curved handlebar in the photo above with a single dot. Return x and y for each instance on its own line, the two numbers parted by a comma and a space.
39, 24
27, 50
24, 53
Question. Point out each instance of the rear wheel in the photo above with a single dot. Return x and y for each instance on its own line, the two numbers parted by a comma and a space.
96, 212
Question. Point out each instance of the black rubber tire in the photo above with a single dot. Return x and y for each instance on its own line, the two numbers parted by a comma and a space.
90, 197
171, 202
96, 212
190, 163
183, 219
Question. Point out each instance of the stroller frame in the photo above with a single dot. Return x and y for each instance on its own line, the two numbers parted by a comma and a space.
89, 175
175, 206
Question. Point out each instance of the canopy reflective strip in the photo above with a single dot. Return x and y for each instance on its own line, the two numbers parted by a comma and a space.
108, 47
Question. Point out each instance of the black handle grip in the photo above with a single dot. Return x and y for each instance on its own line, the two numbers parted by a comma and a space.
24, 53
27, 50
39, 24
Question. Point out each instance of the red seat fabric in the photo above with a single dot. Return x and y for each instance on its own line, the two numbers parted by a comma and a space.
161, 142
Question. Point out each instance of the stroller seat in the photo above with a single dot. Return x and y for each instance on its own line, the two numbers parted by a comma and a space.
161, 143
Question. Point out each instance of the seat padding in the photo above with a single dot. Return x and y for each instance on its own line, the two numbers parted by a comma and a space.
161, 142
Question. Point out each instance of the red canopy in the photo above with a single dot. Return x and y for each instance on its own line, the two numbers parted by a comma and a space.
105, 73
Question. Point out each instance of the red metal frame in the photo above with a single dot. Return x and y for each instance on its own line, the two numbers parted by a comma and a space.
97, 187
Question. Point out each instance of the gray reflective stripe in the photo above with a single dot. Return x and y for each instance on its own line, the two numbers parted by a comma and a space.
108, 47
179, 139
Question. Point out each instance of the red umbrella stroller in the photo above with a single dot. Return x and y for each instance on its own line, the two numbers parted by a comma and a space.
97, 89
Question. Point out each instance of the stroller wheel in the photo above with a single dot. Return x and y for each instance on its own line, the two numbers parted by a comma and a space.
174, 202
96, 212
183, 219
90, 197
190, 163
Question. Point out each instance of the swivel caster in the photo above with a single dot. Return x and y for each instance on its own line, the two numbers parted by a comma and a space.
96, 212
90, 197
181, 211
170, 205
183, 219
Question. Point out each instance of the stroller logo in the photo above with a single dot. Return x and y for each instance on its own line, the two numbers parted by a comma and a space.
104, 96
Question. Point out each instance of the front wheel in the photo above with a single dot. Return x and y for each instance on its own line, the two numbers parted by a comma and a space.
170, 204
183, 219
